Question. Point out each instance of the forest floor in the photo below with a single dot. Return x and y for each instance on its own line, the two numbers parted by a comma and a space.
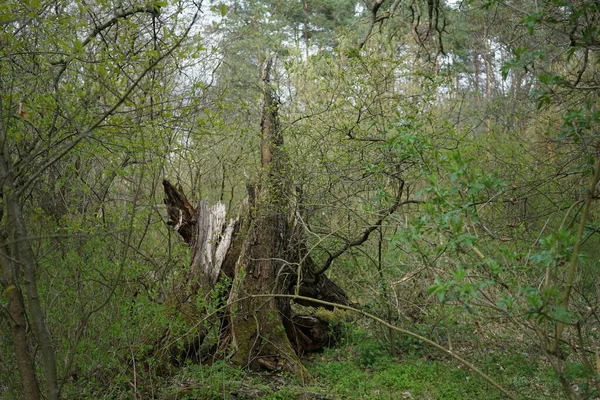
361, 368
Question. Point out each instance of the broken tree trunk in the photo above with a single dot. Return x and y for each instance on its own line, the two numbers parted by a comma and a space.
265, 254
209, 234
202, 276
259, 335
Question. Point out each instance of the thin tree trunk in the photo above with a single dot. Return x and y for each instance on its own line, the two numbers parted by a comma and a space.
488, 64
488, 78
476, 71
18, 328
23, 254
306, 29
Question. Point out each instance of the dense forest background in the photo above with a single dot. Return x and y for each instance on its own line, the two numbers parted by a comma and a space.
440, 160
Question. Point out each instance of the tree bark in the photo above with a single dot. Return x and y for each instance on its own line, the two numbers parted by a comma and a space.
22, 254
258, 332
18, 328
263, 252
476, 71
206, 230
188, 220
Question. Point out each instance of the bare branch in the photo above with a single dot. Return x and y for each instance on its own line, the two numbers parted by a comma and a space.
122, 15
374, 19
88, 132
360, 239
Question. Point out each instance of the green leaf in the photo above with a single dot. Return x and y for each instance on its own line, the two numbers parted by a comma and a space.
563, 315
223, 9
459, 274
78, 46
475, 188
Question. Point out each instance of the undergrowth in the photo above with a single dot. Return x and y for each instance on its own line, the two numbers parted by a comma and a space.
362, 368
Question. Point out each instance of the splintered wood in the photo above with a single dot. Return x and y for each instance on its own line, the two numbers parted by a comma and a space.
212, 239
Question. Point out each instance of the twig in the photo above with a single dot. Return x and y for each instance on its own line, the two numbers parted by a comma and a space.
374, 20
365, 234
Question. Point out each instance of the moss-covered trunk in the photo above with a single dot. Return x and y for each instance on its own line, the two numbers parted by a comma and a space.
259, 337
258, 331
263, 252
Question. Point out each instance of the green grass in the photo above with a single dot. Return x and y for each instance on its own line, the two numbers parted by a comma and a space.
361, 369
428, 379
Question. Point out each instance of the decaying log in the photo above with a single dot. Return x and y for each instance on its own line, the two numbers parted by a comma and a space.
323, 289
313, 284
206, 230
217, 247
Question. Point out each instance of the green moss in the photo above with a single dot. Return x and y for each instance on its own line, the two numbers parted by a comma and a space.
271, 340
244, 333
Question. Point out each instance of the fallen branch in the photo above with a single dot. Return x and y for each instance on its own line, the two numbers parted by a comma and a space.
406, 332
